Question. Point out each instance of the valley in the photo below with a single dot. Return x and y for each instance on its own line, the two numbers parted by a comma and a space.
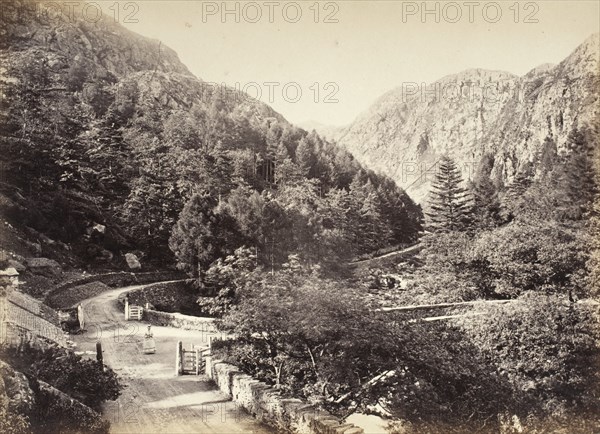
432, 267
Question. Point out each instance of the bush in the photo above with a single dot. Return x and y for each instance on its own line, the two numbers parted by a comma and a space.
548, 350
541, 256
82, 379
12, 422
59, 414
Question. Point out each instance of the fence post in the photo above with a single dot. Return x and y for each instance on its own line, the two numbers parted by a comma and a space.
208, 367
80, 317
198, 361
126, 308
99, 357
179, 359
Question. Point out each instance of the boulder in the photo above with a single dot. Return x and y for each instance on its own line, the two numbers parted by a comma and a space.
44, 266
47, 240
36, 248
132, 261
105, 255
14, 388
99, 228
16, 265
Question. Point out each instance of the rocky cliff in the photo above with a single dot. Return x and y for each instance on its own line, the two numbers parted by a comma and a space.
473, 113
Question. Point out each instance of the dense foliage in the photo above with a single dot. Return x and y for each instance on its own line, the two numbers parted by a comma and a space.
84, 144
526, 366
85, 381
324, 226
314, 338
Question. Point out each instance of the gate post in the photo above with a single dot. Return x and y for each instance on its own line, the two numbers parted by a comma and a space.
99, 357
127, 308
179, 359
80, 317
198, 361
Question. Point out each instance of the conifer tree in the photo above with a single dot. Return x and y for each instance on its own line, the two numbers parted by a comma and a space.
486, 202
513, 201
450, 207
579, 174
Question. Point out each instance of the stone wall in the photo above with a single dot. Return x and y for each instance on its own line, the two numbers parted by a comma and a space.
113, 280
116, 279
267, 405
22, 319
186, 322
175, 296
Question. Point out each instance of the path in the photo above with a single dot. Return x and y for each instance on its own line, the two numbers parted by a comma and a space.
155, 400
415, 248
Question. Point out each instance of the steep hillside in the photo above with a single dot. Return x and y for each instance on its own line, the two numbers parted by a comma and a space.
78, 98
473, 113
106, 135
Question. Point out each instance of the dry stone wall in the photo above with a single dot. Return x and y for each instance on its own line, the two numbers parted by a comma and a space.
22, 320
267, 405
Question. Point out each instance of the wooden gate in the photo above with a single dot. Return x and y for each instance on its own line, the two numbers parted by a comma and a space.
136, 312
190, 362
133, 311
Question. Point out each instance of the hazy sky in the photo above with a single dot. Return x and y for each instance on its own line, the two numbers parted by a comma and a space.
366, 48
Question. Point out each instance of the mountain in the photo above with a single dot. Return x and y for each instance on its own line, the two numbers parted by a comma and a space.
475, 113
105, 135
325, 131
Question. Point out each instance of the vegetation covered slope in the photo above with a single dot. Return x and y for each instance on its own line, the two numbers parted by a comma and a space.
106, 135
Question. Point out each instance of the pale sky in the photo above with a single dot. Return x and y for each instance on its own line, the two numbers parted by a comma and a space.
373, 47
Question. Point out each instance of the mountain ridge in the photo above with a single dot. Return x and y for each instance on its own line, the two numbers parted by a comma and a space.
477, 112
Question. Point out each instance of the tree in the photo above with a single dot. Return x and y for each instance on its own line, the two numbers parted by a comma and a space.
150, 211
304, 157
536, 255
450, 207
225, 279
514, 200
578, 174
486, 200
201, 235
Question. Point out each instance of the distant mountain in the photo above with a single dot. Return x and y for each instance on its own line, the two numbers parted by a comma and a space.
325, 131
473, 113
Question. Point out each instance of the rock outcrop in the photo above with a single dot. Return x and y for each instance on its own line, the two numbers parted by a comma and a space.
44, 266
132, 261
473, 113
15, 393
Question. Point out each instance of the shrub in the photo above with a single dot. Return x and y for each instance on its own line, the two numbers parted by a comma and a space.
548, 350
11, 422
59, 414
82, 379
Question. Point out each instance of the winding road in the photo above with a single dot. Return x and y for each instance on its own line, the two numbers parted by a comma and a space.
155, 400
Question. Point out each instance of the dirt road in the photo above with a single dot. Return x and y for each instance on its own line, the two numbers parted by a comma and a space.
155, 400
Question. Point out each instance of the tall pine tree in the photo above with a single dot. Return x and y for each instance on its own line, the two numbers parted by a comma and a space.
450, 207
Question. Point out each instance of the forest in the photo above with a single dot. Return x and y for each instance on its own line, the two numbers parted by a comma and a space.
116, 157
526, 365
